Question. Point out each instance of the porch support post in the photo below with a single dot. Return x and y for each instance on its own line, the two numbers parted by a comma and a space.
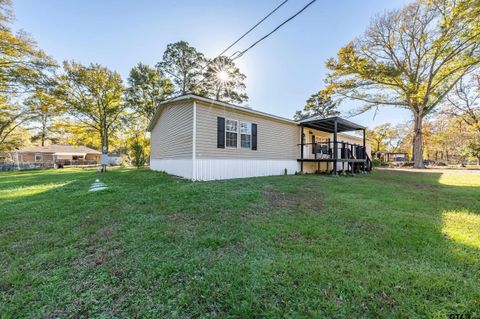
335, 147
364, 149
301, 149
352, 156
364, 152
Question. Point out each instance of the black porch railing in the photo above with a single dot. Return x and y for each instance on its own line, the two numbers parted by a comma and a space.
326, 150
348, 158
337, 152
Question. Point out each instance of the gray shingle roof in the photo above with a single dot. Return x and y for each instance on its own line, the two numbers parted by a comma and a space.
60, 149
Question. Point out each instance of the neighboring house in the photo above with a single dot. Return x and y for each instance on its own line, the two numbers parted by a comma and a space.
59, 154
203, 139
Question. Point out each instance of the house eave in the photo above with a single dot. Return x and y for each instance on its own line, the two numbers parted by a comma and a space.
205, 100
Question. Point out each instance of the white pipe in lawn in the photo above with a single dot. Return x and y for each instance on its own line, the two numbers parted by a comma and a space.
97, 186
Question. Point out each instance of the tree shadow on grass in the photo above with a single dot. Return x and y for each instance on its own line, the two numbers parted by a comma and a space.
65, 241
15, 179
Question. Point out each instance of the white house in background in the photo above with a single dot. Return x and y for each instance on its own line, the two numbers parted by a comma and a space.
203, 139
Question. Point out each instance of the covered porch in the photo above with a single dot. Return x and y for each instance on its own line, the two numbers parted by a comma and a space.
330, 152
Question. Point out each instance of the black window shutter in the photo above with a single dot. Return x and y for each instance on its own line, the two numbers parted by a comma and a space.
220, 132
254, 137
314, 146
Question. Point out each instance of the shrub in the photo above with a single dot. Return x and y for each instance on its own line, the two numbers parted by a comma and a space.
376, 162
137, 154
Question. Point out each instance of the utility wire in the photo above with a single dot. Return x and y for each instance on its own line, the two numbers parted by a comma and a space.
243, 35
238, 54
251, 29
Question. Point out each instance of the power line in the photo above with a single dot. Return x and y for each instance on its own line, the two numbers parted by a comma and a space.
241, 53
251, 29
243, 35
238, 54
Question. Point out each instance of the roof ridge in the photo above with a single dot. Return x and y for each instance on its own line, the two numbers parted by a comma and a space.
192, 96
58, 148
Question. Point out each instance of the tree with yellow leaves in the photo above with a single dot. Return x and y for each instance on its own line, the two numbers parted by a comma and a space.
93, 95
23, 68
410, 58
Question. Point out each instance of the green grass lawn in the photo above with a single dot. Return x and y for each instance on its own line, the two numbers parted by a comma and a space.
387, 244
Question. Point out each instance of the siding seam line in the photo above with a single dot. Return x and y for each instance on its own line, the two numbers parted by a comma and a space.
194, 158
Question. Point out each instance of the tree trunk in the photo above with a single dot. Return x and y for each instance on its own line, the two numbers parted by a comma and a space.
43, 136
104, 136
44, 130
413, 149
418, 141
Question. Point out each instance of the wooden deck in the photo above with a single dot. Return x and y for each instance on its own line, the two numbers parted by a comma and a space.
330, 160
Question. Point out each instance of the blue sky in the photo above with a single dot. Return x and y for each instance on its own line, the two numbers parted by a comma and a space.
282, 71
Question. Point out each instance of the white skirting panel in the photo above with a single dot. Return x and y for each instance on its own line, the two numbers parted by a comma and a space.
180, 167
212, 169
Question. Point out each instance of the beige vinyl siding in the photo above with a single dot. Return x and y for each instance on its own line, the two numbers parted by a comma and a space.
312, 167
276, 140
341, 137
173, 133
355, 140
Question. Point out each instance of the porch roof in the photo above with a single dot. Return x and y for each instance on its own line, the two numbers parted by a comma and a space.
328, 124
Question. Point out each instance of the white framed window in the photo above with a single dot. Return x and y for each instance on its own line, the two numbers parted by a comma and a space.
231, 133
38, 157
245, 135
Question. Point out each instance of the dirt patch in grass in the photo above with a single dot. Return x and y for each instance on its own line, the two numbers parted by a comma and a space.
365, 226
101, 248
333, 296
57, 313
6, 287
291, 201
381, 299
181, 226
93, 273
276, 199
181, 218
235, 250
